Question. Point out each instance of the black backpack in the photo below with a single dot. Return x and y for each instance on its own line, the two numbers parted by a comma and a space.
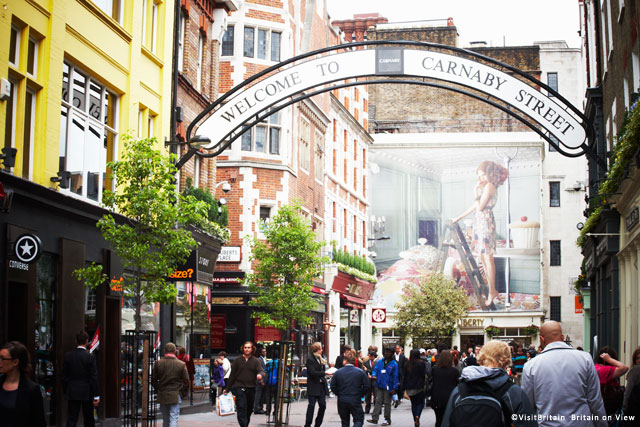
479, 405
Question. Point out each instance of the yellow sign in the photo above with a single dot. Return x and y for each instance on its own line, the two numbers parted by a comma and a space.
228, 300
470, 323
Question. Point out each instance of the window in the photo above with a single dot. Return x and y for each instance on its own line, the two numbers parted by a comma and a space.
264, 137
27, 143
227, 41
88, 135
265, 214
552, 81
181, 38
199, 64
10, 124
555, 309
554, 194
144, 22
32, 57
556, 141
14, 47
154, 27
257, 43
113, 8
554, 253
319, 156
305, 136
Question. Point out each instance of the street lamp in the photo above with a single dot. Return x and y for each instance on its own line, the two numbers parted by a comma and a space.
194, 144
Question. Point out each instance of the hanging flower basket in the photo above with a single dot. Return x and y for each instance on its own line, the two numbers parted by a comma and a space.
531, 330
492, 330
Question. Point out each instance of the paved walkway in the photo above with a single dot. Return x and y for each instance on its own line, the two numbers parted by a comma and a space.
400, 417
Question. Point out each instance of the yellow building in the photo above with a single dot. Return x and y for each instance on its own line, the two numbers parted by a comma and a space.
76, 75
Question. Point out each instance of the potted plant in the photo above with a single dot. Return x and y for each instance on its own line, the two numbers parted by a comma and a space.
492, 330
531, 330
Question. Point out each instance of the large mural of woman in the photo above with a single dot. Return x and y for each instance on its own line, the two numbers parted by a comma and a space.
491, 175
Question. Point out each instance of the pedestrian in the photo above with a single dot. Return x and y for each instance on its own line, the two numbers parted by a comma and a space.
245, 370
470, 360
271, 380
415, 378
80, 382
217, 380
21, 402
170, 379
518, 359
183, 356
609, 369
317, 387
340, 359
226, 365
401, 359
562, 384
486, 396
445, 378
260, 385
456, 360
632, 390
369, 364
350, 384
385, 374
532, 351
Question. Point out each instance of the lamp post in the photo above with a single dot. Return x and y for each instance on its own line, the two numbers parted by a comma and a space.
194, 144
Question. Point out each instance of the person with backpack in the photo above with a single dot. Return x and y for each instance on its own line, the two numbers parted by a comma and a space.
486, 396
272, 380
414, 380
444, 379
632, 391
385, 373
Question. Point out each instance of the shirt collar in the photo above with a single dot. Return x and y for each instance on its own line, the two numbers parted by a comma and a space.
556, 344
82, 347
170, 355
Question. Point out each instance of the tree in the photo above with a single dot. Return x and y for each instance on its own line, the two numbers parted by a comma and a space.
432, 308
286, 262
150, 242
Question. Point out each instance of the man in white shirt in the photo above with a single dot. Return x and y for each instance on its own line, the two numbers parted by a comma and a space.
562, 383
226, 365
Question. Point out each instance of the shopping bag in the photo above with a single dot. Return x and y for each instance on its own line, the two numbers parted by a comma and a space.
226, 405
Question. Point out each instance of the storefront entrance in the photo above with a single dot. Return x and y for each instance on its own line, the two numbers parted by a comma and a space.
470, 340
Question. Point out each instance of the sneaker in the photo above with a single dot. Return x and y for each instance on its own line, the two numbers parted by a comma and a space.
372, 422
386, 423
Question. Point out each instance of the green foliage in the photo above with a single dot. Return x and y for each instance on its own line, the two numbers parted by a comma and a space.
149, 243
355, 265
492, 330
531, 330
589, 225
215, 213
432, 308
285, 264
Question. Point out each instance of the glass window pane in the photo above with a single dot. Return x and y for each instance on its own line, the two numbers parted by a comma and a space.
95, 94
64, 117
32, 52
110, 110
555, 255
249, 34
274, 136
275, 46
261, 138
94, 152
262, 44
227, 41
245, 144
79, 95
14, 47
552, 81
65, 82
554, 194
75, 150
274, 118
10, 116
29, 107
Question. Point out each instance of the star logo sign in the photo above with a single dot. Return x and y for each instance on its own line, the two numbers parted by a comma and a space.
27, 248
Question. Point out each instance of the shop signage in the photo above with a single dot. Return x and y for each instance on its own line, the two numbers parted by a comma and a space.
27, 249
468, 323
206, 262
218, 324
227, 300
230, 254
354, 289
354, 317
187, 271
631, 220
228, 278
349, 285
553, 114
116, 284
579, 306
379, 315
266, 333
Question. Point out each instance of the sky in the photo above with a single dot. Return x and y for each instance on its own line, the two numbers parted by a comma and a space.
498, 22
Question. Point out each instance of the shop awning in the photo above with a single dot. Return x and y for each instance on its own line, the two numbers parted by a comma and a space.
318, 290
353, 302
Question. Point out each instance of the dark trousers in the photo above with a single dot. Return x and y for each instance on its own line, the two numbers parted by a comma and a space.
370, 396
439, 415
270, 395
322, 406
259, 400
244, 404
417, 404
74, 410
345, 410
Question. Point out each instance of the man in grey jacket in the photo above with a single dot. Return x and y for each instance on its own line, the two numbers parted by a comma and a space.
171, 381
562, 383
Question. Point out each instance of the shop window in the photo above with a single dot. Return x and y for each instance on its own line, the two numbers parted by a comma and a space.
555, 309
554, 253
88, 133
227, 41
554, 194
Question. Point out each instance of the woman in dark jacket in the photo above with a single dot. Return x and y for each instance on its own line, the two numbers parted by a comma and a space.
413, 381
20, 398
317, 388
445, 379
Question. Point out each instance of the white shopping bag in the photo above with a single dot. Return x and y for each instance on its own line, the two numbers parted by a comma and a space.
226, 404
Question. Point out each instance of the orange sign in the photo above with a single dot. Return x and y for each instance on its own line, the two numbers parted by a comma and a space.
579, 306
116, 285
182, 274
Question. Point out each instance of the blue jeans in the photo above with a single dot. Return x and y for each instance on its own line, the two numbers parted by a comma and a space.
417, 404
170, 413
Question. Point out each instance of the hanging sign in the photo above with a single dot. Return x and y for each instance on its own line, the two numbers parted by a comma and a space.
27, 248
379, 315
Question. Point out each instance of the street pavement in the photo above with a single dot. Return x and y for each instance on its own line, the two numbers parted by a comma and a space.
400, 417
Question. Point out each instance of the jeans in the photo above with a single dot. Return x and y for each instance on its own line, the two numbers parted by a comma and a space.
383, 397
74, 411
244, 404
345, 410
170, 413
322, 406
417, 404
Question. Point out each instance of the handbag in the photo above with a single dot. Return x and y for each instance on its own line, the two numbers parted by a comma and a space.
612, 396
226, 405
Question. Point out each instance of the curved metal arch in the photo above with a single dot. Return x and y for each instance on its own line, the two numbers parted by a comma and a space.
585, 124
269, 110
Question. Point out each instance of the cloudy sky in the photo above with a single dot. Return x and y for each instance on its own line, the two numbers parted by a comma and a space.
498, 22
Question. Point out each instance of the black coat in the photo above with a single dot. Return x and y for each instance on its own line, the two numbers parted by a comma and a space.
416, 379
444, 381
80, 375
402, 364
316, 380
350, 384
29, 405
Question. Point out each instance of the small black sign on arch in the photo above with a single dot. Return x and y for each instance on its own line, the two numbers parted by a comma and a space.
389, 61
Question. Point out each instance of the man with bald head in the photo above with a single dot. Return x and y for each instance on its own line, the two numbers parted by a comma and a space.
562, 383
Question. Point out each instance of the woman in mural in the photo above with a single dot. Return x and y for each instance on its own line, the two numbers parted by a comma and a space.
490, 176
